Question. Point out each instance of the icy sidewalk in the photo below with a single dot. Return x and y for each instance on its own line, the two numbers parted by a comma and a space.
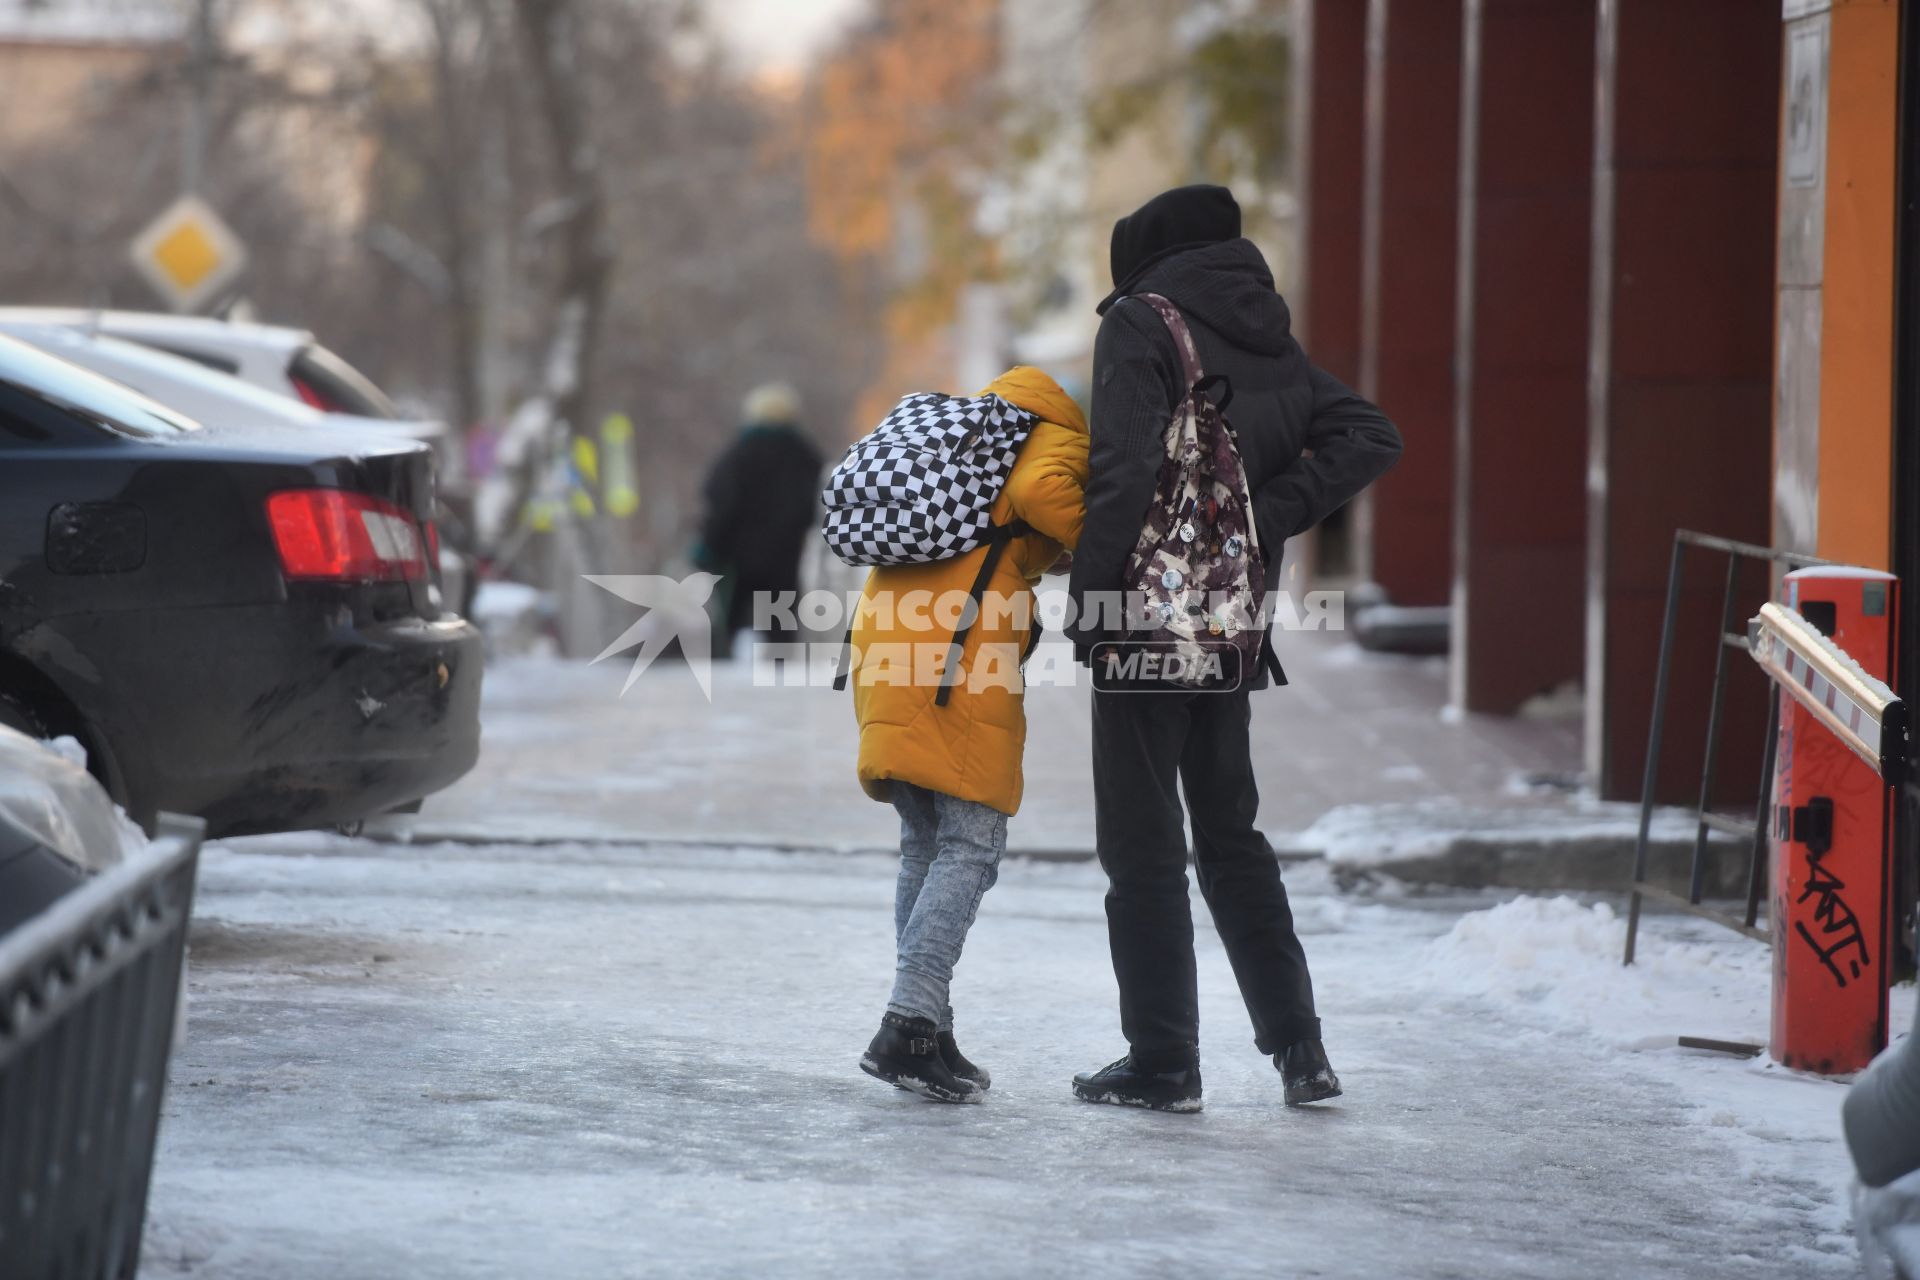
564, 755
570, 1061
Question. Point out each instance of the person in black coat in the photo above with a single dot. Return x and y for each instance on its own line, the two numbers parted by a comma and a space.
1309, 444
762, 502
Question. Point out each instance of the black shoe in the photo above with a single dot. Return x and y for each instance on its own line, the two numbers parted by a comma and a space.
1126, 1085
906, 1054
957, 1063
1309, 1076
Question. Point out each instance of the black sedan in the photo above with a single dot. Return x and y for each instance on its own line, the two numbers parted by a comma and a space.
234, 623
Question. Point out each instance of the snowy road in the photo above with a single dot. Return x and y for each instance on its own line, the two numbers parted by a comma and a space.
605, 1062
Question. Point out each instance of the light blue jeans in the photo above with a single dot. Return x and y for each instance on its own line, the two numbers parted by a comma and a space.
950, 852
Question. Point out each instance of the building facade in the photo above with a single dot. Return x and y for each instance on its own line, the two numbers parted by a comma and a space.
1619, 268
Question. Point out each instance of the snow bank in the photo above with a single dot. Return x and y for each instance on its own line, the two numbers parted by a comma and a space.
1561, 957
48, 797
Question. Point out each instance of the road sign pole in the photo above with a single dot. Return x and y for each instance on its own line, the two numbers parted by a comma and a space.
193, 156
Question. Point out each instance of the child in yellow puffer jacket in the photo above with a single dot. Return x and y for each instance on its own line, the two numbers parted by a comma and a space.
953, 770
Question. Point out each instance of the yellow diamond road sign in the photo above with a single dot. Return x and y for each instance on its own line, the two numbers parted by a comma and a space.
188, 254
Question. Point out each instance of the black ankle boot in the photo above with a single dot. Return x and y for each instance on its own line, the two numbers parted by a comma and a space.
1127, 1085
906, 1054
1308, 1075
958, 1064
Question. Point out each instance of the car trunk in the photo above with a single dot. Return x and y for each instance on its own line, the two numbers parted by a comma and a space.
207, 503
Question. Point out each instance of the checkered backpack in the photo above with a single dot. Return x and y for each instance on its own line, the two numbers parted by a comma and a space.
921, 486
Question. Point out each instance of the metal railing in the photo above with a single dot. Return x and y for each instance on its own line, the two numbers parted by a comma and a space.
89, 994
1705, 820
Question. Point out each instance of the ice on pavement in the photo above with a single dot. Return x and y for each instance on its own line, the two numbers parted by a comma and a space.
1552, 967
1368, 835
566, 754
607, 1061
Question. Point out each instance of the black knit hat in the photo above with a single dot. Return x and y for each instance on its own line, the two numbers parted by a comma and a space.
1172, 222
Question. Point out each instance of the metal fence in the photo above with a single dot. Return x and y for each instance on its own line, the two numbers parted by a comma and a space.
1705, 819
89, 994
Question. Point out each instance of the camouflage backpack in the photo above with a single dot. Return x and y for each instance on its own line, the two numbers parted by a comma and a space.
1198, 561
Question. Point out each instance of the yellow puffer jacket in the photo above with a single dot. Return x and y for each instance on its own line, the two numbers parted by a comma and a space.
972, 747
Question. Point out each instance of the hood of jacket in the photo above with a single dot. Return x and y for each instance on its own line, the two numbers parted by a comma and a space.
1172, 222
1228, 287
1038, 394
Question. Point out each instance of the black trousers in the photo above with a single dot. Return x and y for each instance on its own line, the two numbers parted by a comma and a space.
1147, 748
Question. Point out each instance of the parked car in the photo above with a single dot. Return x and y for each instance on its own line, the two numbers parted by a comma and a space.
235, 621
217, 399
287, 362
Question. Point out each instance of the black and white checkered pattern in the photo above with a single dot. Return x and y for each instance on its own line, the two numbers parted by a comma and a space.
921, 486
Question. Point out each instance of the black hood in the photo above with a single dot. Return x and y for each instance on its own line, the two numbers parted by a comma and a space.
1226, 286
1173, 221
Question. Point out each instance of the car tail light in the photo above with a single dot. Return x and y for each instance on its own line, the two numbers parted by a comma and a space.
315, 397
335, 536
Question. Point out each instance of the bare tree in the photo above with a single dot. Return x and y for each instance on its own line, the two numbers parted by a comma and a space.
439, 200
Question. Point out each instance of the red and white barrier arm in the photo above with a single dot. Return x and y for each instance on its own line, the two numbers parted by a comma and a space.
1861, 711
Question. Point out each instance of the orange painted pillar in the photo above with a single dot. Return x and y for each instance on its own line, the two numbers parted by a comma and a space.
1832, 869
1834, 367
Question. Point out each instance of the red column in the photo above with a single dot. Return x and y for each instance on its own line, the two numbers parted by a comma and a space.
1525, 209
1681, 367
1333, 51
1413, 137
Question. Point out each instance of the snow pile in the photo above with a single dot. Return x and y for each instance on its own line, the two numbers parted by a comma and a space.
1562, 958
68, 748
47, 797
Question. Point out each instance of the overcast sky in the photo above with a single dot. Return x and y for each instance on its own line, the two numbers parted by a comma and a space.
780, 35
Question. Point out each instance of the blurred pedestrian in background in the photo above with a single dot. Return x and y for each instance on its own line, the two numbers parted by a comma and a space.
763, 497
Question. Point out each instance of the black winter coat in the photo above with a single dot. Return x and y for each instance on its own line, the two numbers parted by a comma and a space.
1309, 443
763, 499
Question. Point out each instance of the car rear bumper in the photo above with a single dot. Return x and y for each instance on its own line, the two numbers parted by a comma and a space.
278, 717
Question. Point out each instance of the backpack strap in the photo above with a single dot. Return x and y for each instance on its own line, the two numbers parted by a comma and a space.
996, 545
1199, 381
1182, 336
1271, 661
843, 665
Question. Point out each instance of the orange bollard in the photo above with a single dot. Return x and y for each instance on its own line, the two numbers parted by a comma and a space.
1832, 865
